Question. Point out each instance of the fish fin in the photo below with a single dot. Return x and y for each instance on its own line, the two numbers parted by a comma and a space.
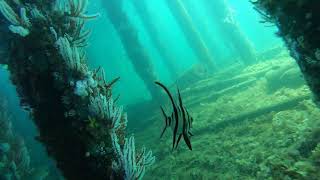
173, 141
179, 138
187, 140
163, 113
166, 121
164, 129
180, 99
190, 133
167, 91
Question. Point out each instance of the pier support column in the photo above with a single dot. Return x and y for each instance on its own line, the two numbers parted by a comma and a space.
155, 36
128, 35
221, 14
191, 34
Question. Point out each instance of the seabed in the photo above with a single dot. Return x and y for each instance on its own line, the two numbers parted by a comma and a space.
252, 122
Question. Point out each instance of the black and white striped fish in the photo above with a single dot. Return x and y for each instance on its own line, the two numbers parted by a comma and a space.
180, 120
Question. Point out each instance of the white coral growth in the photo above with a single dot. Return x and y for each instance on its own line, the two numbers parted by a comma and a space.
19, 30
86, 86
74, 8
132, 165
81, 88
104, 108
36, 13
24, 19
19, 25
70, 54
9, 13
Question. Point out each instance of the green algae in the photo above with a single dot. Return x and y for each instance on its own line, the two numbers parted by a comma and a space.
269, 145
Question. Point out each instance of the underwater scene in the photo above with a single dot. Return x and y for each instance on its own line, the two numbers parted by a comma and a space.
159, 89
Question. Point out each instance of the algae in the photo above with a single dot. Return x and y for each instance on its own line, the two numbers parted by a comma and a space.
269, 145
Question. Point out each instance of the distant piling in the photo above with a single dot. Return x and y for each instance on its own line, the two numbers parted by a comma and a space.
221, 14
191, 34
155, 36
128, 35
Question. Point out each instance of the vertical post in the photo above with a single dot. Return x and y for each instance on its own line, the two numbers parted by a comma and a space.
145, 15
129, 37
220, 12
191, 34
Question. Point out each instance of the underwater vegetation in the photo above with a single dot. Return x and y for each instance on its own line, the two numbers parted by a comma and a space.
79, 122
255, 118
15, 160
242, 130
140, 58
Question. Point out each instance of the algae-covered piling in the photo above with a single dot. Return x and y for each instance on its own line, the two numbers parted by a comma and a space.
128, 34
168, 59
298, 23
79, 123
193, 37
221, 14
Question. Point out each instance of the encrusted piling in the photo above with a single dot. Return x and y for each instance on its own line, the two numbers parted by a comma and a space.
299, 26
128, 35
155, 36
222, 15
192, 36
79, 123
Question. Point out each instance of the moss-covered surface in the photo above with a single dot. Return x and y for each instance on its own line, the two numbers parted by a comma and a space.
279, 144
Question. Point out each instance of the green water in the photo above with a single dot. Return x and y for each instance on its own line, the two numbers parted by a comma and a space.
250, 121
106, 49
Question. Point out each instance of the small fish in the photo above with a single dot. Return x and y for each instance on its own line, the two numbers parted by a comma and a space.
180, 120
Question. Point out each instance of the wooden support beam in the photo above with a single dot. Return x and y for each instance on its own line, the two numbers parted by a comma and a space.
162, 47
220, 13
128, 35
250, 115
192, 36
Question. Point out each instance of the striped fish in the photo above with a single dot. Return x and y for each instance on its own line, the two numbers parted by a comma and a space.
180, 120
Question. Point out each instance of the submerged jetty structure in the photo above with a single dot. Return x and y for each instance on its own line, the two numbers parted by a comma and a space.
79, 123
299, 26
222, 15
192, 36
128, 35
145, 15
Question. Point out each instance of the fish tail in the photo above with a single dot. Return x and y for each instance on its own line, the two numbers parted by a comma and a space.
187, 140
179, 138
166, 119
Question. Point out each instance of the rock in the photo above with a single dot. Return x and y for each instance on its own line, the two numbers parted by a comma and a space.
289, 77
